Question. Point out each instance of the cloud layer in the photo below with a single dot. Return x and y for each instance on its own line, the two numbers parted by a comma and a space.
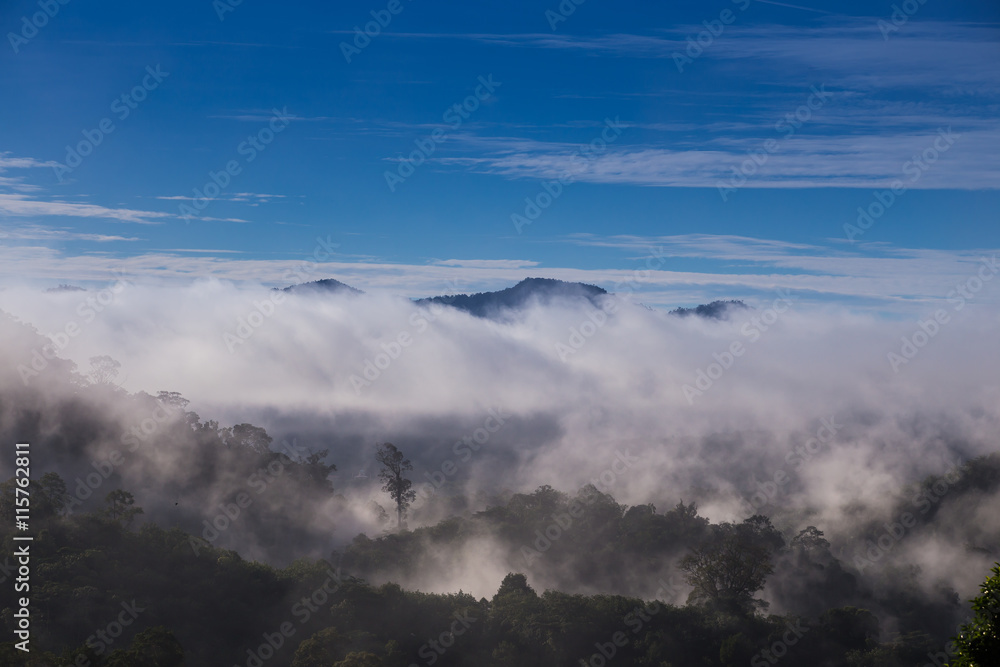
574, 385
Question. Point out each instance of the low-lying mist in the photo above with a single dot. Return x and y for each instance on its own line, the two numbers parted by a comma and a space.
812, 415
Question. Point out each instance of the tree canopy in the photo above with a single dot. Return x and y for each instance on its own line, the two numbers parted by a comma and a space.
732, 564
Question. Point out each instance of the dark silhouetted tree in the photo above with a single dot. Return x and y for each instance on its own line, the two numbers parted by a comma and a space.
809, 539
978, 642
394, 464
252, 437
317, 470
52, 494
121, 506
729, 567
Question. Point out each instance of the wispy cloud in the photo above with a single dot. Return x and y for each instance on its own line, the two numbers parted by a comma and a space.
874, 270
804, 161
17, 183
22, 206
39, 233
487, 263
7, 161
264, 115
927, 53
252, 198
29, 201
203, 251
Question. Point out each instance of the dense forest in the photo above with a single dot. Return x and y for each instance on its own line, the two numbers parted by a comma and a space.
105, 593
128, 568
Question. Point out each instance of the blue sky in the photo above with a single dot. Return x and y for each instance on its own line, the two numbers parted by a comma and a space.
838, 101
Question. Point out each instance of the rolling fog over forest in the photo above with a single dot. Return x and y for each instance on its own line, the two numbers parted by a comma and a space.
847, 436
503, 334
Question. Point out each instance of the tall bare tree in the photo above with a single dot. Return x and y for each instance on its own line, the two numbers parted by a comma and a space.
394, 464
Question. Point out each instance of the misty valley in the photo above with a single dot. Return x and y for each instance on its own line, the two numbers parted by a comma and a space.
515, 528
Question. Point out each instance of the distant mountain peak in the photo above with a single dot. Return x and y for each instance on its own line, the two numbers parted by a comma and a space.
491, 304
717, 310
328, 285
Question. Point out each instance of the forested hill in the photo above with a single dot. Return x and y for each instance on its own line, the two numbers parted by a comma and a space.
144, 596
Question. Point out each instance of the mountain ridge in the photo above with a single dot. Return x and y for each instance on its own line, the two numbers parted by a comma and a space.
486, 304
493, 303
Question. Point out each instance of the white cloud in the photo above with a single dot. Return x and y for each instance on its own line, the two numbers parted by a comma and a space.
802, 161
22, 206
39, 233
9, 162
